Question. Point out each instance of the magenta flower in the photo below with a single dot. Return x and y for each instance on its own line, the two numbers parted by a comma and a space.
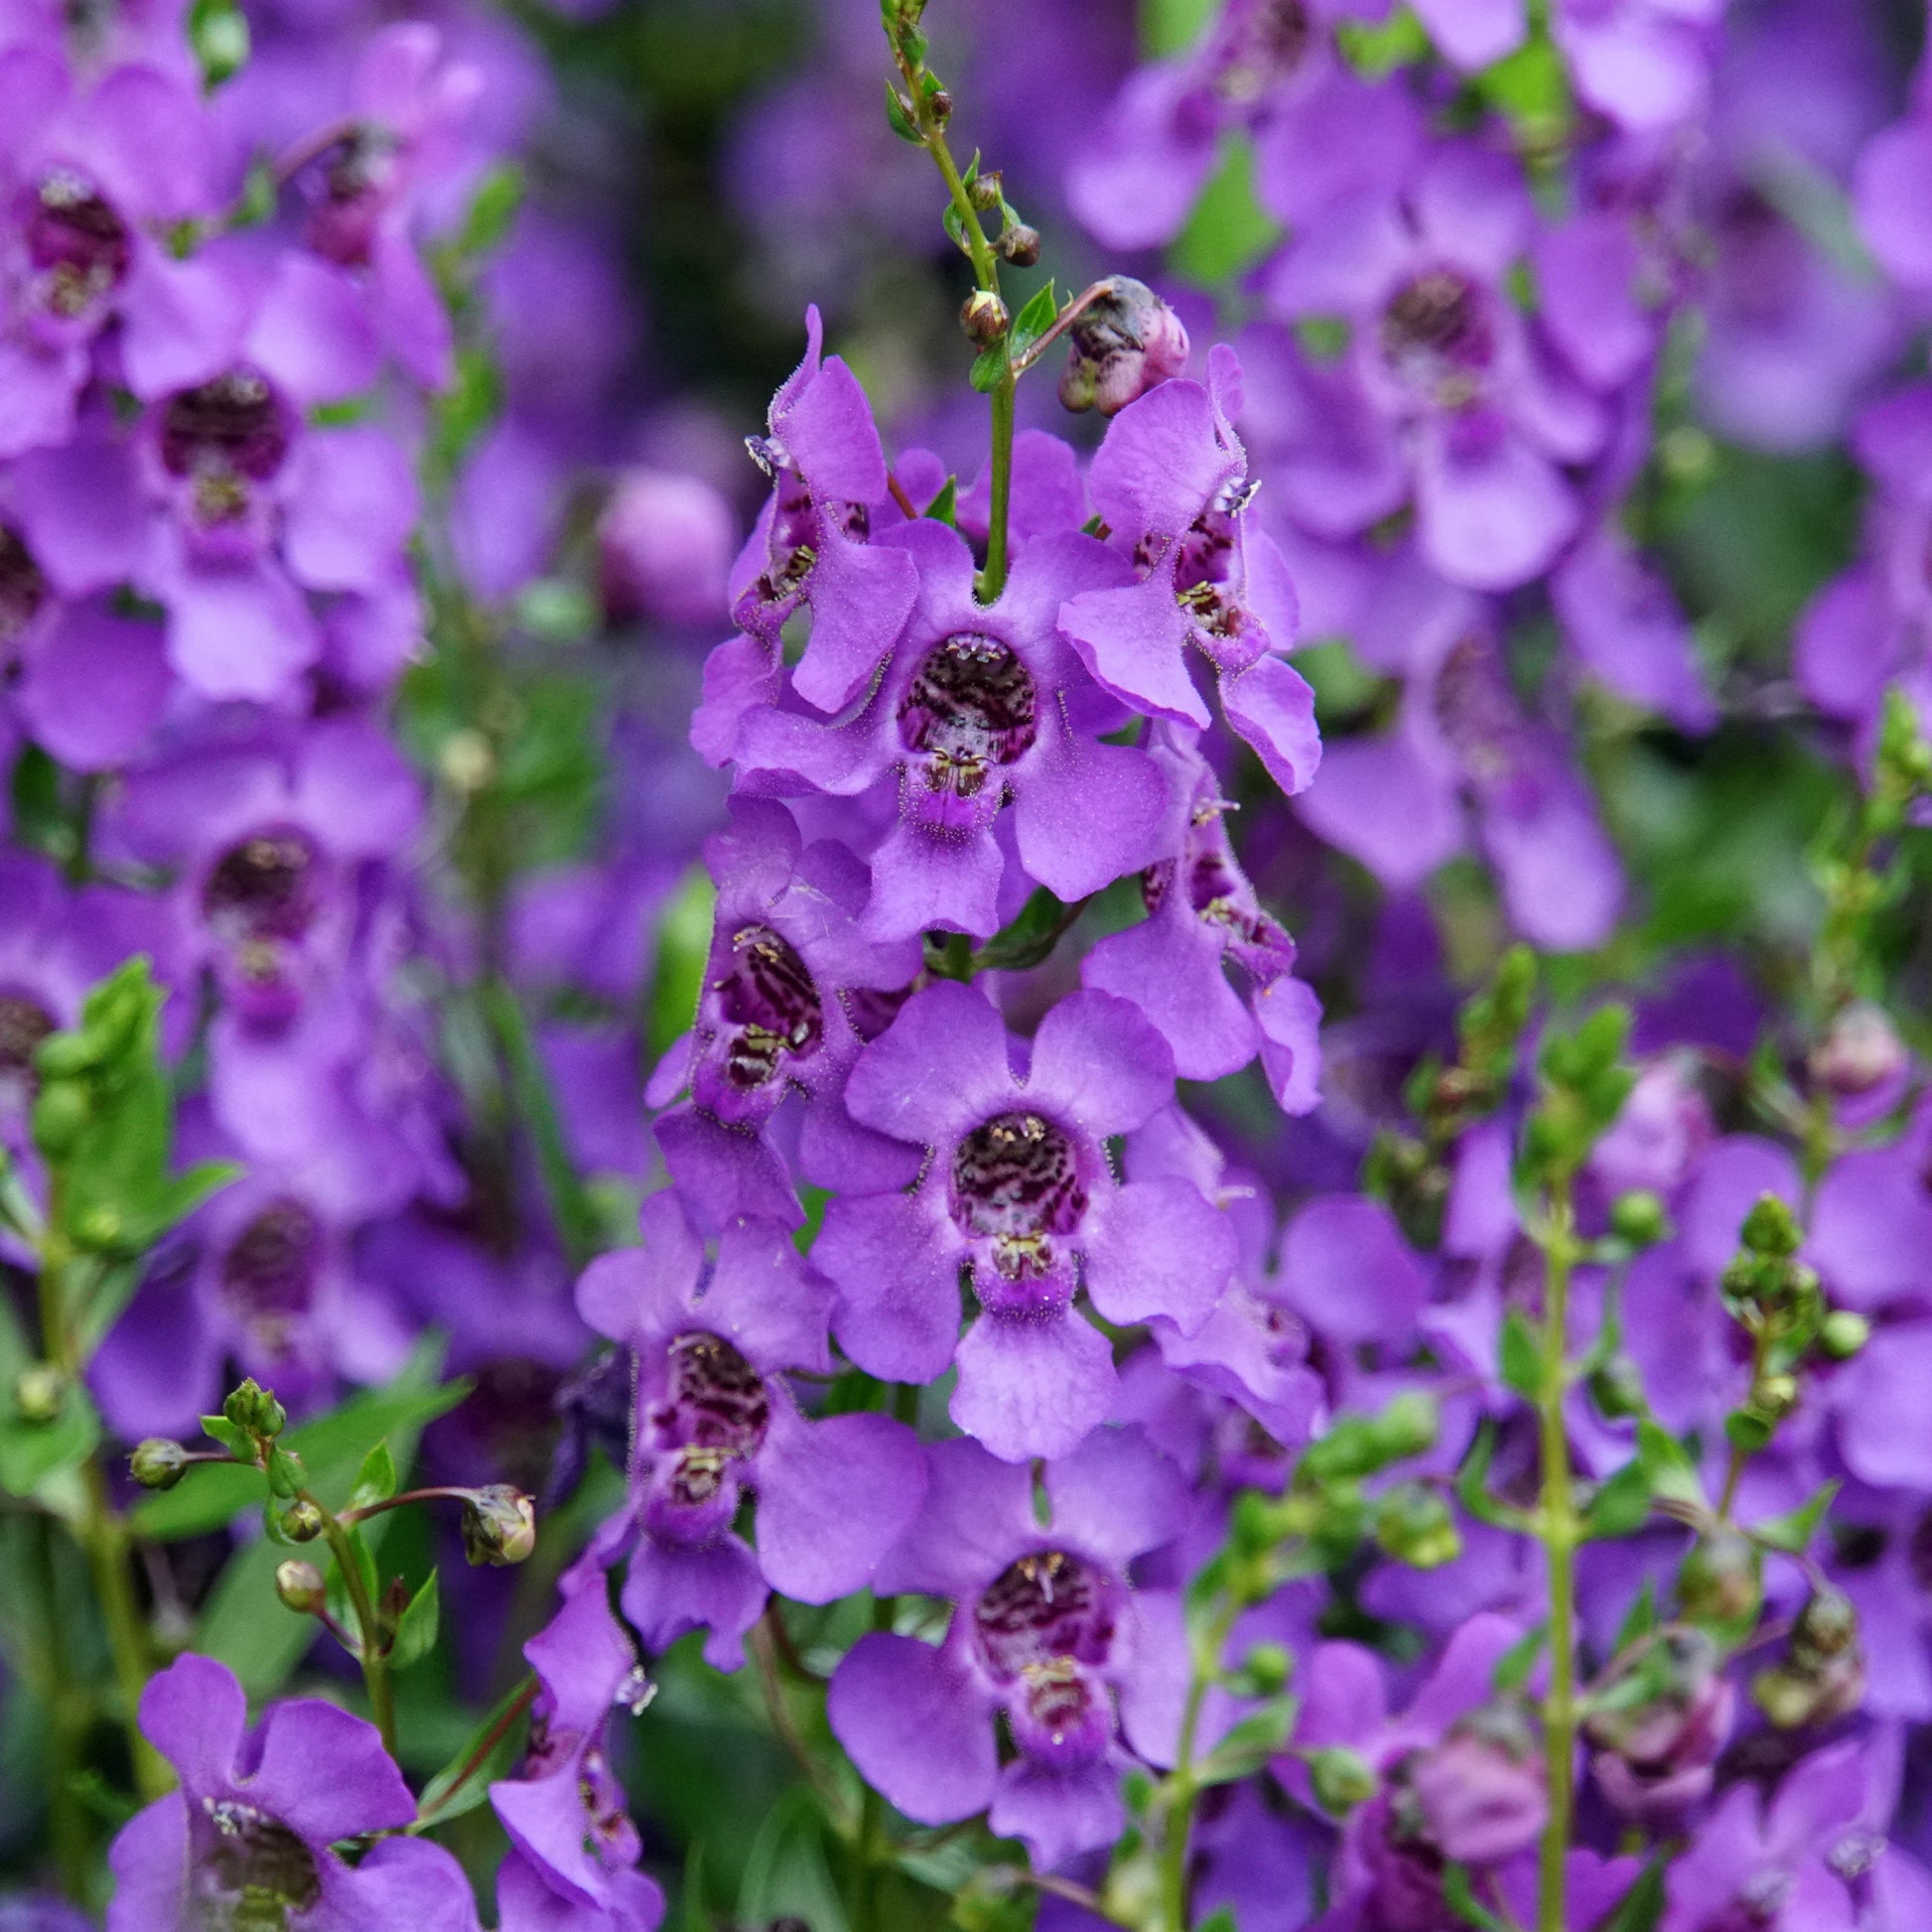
1018, 1193
714, 1419
980, 705
253, 1823
1172, 483
1046, 1633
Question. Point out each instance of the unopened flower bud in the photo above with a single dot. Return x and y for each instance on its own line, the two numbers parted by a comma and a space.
938, 103
1822, 1676
987, 191
1770, 1228
1775, 1396
1859, 1053
499, 1525
1639, 1218
1413, 1523
1844, 1334
60, 1111
1019, 245
299, 1585
254, 1408
1267, 1668
1720, 1581
39, 1392
984, 317
157, 1463
302, 1522
1122, 345
1342, 1780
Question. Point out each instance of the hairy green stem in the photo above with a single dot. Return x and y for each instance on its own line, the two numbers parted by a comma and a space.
1559, 1530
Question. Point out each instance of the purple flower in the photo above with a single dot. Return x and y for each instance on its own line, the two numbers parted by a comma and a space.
407, 104
1445, 394
978, 705
1172, 481
1644, 63
715, 1418
1017, 1193
227, 505
1203, 916
1046, 1633
575, 1848
810, 545
1759, 1864
85, 173
788, 974
252, 1826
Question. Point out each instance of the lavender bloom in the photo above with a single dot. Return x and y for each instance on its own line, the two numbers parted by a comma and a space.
1765, 1864
978, 705
809, 544
575, 1848
714, 1419
86, 173
1017, 1193
366, 187
227, 505
1445, 394
249, 1833
1202, 915
665, 545
1172, 480
1045, 1631
1647, 64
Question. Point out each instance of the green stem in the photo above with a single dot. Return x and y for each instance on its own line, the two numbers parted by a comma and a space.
1559, 1529
101, 1530
372, 1652
986, 274
1181, 1791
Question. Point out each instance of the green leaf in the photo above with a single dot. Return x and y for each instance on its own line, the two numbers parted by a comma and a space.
495, 1745
1459, 1896
1642, 1906
1513, 1667
376, 1482
1471, 1481
341, 1604
1249, 1746
683, 944
897, 118
416, 1631
1639, 1621
492, 208
1793, 1532
1229, 231
1622, 1506
1029, 938
1667, 1464
32, 1451
1041, 312
1221, 1919
990, 366
233, 1437
944, 507
1521, 1359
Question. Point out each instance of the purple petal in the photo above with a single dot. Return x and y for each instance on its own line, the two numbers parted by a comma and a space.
363, 1792
1172, 969
1057, 1812
1884, 1422
149, 1860
1089, 814
311, 334
915, 1725
1032, 1388
94, 686
1290, 1014
1101, 1059
1888, 193
1116, 1497
195, 1714
977, 1516
240, 632
1157, 1248
1135, 643
941, 1063
1473, 33
1271, 706
898, 1287
668, 1591
350, 508
1346, 1269
833, 1497
1492, 513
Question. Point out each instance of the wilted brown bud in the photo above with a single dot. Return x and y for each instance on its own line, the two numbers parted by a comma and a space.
1019, 245
984, 317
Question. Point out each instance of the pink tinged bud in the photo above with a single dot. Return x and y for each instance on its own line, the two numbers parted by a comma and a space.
1859, 1053
1661, 1716
1124, 344
1480, 1792
664, 549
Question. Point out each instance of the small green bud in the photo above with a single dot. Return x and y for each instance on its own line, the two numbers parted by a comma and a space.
302, 1522
1342, 1780
299, 1584
1408, 1425
1721, 1579
1253, 1524
100, 1226
1639, 1218
1770, 1228
1267, 1668
1844, 1334
499, 1525
1775, 1396
65, 1056
60, 1111
254, 1408
39, 1391
1414, 1525
158, 1463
